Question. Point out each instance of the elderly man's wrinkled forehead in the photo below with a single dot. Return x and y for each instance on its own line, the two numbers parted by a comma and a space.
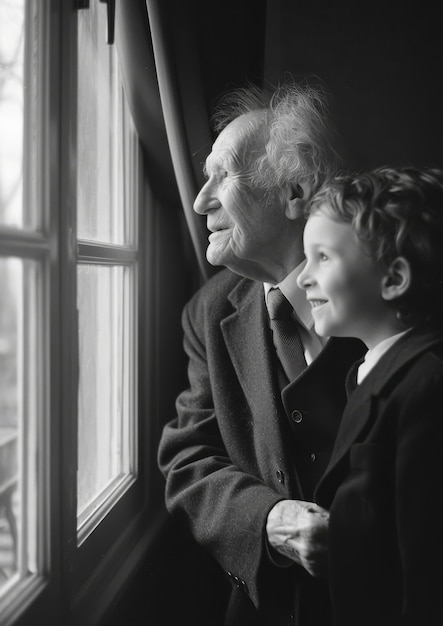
242, 141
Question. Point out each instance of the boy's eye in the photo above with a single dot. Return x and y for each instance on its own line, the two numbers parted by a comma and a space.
323, 257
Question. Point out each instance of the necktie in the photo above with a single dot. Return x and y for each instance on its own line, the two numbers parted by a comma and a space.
285, 334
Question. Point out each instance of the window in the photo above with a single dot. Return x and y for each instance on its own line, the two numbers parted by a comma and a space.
24, 284
71, 493
106, 274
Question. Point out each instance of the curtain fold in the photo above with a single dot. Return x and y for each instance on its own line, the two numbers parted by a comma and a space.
139, 77
177, 58
184, 111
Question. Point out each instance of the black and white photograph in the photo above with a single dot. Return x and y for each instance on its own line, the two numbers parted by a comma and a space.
221, 313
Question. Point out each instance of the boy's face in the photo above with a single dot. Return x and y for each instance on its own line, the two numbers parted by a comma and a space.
342, 281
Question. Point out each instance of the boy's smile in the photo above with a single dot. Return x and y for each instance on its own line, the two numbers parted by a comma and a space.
316, 303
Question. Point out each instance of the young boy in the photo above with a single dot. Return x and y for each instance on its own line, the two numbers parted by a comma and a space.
374, 270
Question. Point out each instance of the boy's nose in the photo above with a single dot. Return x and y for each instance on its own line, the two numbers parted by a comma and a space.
303, 280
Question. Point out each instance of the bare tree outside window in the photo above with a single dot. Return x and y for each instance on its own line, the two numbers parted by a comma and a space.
12, 21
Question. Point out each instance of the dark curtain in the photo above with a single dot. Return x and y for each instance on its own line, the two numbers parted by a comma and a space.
184, 110
177, 58
136, 59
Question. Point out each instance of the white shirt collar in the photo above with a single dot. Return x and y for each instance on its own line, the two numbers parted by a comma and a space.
295, 295
374, 355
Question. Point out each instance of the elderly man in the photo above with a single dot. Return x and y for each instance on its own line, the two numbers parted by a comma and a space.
253, 435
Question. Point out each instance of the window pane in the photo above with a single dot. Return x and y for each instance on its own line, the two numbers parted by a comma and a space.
12, 26
19, 75
106, 386
101, 213
18, 419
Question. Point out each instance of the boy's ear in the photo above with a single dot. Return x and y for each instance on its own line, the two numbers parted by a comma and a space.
295, 202
397, 279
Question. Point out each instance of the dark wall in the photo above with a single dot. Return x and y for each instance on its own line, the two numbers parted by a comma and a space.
231, 44
382, 64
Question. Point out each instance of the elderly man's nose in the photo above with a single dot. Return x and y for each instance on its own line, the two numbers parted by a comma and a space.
206, 200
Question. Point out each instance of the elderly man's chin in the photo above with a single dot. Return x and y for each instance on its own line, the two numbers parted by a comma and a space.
219, 252
222, 252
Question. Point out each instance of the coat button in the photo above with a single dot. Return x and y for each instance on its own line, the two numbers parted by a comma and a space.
296, 416
280, 477
237, 581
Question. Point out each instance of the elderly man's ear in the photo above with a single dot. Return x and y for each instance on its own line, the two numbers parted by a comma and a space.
295, 201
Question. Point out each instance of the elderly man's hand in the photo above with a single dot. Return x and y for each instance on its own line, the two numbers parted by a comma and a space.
299, 530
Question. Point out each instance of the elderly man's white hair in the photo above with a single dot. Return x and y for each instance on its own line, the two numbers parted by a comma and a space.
291, 132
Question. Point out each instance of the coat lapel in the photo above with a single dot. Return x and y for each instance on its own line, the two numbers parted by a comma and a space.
358, 410
249, 343
247, 339
355, 417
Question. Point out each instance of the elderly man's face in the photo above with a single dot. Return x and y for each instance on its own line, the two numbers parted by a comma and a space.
245, 226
